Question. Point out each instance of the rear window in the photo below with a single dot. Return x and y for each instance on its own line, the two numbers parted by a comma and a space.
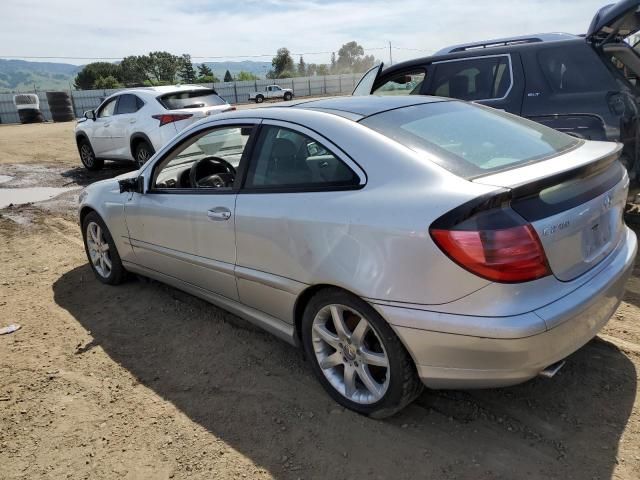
190, 99
482, 78
470, 140
574, 70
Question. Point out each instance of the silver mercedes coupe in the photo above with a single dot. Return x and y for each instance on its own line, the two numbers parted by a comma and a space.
401, 241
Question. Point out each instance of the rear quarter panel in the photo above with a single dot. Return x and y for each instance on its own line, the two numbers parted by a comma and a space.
373, 241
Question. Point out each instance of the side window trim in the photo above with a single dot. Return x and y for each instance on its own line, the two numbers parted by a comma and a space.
303, 130
102, 106
469, 59
149, 173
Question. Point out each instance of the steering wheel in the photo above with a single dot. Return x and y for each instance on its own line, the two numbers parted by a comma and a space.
211, 172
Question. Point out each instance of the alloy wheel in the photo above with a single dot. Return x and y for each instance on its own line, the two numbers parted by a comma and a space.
142, 156
350, 354
86, 154
98, 250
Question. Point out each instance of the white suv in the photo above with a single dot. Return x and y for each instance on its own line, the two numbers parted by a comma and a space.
133, 124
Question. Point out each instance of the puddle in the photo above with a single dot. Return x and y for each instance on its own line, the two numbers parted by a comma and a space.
18, 196
5, 178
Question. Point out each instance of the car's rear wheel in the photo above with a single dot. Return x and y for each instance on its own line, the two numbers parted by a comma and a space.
144, 152
259, 99
356, 356
288, 96
101, 250
88, 157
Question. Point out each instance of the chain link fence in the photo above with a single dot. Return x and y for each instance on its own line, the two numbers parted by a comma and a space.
232, 92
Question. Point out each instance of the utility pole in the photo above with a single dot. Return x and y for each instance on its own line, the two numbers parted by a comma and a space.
390, 57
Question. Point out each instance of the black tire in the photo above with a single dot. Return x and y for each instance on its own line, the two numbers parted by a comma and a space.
30, 115
60, 104
143, 152
288, 96
88, 156
259, 98
404, 384
117, 272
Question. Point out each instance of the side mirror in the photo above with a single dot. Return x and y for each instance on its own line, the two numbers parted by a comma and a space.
90, 114
135, 185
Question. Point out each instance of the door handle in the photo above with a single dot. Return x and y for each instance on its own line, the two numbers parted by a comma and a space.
219, 214
133, 120
107, 124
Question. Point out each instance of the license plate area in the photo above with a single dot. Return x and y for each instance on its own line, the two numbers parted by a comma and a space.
596, 236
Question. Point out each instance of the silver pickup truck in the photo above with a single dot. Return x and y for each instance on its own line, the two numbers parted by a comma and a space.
271, 91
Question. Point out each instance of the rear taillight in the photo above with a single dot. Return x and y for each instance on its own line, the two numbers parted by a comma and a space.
497, 245
171, 117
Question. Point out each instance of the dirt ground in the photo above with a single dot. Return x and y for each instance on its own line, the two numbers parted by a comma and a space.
143, 381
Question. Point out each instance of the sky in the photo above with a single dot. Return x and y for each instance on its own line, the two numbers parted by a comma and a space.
217, 30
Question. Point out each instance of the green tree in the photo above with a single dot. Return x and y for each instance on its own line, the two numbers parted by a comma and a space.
351, 58
228, 77
302, 67
204, 70
333, 62
86, 78
282, 62
107, 82
134, 70
187, 72
164, 66
312, 69
322, 70
246, 76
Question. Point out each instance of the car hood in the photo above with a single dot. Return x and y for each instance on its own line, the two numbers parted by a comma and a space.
615, 22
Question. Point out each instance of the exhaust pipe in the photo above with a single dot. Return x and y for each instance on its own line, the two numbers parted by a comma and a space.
552, 369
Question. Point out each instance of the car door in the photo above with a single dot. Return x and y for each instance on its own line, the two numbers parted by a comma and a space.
123, 125
285, 227
183, 225
101, 138
493, 80
367, 81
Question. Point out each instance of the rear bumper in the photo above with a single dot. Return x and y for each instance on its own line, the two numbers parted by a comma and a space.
453, 360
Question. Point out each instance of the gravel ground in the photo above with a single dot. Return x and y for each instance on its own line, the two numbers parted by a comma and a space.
143, 381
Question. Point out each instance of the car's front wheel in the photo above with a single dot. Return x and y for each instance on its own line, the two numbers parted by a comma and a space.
143, 152
88, 157
101, 250
288, 96
356, 356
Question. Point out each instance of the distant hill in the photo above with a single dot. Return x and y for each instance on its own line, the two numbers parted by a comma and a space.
21, 75
257, 68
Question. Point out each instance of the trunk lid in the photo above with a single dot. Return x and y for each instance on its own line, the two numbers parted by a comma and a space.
575, 203
615, 22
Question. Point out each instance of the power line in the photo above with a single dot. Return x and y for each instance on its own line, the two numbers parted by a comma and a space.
207, 57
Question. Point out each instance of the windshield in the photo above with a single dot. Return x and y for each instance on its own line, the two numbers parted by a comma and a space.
470, 140
191, 99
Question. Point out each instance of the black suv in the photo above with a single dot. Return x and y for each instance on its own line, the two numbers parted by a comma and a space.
582, 85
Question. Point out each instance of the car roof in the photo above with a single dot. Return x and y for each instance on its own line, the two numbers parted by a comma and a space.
351, 108
367, 104
488, 47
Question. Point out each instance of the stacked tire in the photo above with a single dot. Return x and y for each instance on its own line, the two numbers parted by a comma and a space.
28, 106
60, 106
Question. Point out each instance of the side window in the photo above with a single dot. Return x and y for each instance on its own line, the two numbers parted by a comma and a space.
286, 158
128, 104
482, 78
108, 109
206, 161
405, 83
573, 70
